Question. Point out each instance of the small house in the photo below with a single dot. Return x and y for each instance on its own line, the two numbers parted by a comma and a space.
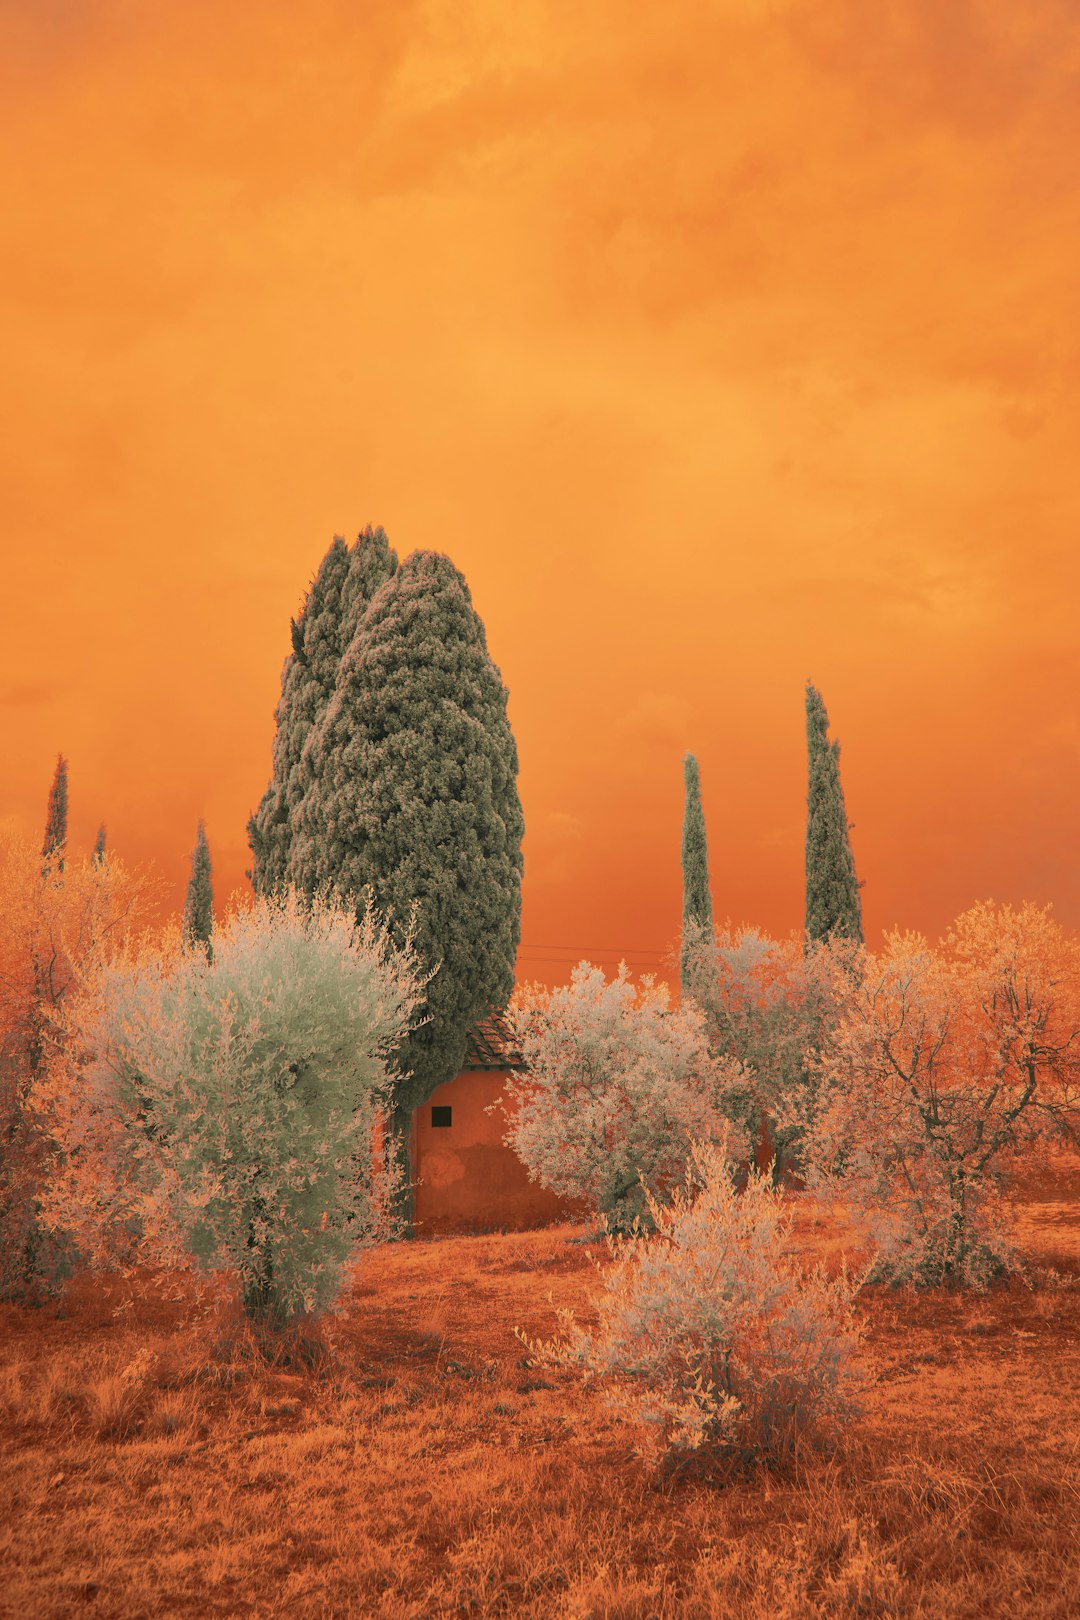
469, 1180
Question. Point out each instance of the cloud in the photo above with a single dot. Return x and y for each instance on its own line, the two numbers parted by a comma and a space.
658, 720
29, 694
716, 342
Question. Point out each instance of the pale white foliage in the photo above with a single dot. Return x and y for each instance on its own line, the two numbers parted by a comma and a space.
770, 1003
615, 1084
946, 1062
225, 1109
710, 1332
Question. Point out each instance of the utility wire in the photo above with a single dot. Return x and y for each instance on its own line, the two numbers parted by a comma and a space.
598, 956
607, 950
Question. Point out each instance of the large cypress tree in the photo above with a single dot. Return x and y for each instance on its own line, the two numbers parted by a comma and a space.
56, 818
337, 597
833, 906
198, 920
414, 795
697, 919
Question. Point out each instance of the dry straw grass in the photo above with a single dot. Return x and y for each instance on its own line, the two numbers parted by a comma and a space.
404, 1463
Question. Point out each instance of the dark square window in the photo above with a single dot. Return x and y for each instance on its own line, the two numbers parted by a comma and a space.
440, 1114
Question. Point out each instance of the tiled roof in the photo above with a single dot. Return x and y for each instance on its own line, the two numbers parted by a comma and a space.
491, 1046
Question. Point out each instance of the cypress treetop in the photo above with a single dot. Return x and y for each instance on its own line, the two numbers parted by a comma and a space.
697, 918
371, 562
56, 818
99, 846
302, 697
337, 596
198, 919
833, 906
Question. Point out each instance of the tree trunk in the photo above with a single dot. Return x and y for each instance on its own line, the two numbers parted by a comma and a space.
261, 1304
401, 1139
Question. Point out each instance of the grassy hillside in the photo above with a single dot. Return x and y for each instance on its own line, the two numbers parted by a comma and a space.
411, 1464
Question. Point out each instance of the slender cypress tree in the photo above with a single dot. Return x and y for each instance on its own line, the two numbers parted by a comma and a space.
52, 860
833, 906
343, 585
414, 800
697, 919
56, 816
99, 846
198, 920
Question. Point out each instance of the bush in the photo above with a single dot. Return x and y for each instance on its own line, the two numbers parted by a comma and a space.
946, 1064
614, 1086
226, 1109
711, 1333
770, 1004
34, 1262
56, 925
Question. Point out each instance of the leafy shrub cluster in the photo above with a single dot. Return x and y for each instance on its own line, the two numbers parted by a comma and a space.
164, 1102
224, 1108
710, 1332
616, 1083
771, 1005
54, 922
904, 1081
945, 1065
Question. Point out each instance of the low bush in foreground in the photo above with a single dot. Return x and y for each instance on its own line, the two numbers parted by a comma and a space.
710, 1331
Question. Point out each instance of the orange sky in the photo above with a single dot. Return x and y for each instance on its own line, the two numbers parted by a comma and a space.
719, 344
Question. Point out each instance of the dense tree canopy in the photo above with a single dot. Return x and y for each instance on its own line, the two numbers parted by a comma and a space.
345, 582
415, 796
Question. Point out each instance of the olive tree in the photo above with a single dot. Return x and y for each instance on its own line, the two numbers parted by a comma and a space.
947, 1062
225, 1109
614, 1085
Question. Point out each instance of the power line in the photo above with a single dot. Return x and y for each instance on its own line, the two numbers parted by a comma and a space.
608, 950
598, 956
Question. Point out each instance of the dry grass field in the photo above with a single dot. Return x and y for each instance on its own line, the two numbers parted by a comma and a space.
152, 1464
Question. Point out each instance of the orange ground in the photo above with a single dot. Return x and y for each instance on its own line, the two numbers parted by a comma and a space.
424, 1470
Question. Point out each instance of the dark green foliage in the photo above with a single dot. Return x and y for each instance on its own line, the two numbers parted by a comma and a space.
344, 584
34, 1262
697, 918
415, 796
302, 701
55, 842
99, 846
395, 774
198, 921
833, 906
